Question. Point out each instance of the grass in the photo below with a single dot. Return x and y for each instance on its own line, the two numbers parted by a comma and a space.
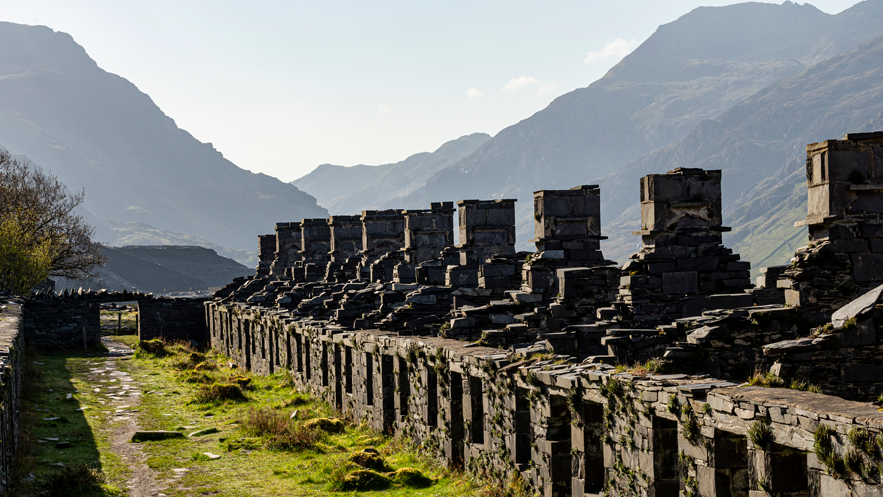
88, 467
114, 322
760, 434
770, 380
264, 451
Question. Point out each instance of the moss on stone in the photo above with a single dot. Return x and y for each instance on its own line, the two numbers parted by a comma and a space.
368, 460
365, 479
328, 425
410, 477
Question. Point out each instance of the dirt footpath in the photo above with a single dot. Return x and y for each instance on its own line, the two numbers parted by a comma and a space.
121, 391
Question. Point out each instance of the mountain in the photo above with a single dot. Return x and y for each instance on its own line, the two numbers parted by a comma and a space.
350, 190
145, 234
161, 269
688, 71
760, 144
96, 131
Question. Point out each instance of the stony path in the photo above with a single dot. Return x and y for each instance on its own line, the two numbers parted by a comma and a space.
122, 392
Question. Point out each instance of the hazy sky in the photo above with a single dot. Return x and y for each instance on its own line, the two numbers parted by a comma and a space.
280, 87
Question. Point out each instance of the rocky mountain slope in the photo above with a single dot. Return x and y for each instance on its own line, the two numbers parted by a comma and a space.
690, 70
350, 190
161, 269
760, 146
97, 131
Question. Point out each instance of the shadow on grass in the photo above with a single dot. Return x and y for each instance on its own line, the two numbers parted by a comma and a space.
58, 452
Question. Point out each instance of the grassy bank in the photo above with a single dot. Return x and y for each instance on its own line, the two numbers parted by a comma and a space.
259, 436
65, 427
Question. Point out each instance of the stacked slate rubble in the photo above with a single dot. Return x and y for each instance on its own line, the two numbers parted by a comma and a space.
683, 267
288, 245
844, 256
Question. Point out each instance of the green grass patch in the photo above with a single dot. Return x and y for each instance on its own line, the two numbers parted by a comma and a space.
55, 385
264, 451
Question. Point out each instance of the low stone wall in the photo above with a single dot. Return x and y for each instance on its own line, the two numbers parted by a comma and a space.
63, 323
73, 319
11, 357
172, 319
568, 429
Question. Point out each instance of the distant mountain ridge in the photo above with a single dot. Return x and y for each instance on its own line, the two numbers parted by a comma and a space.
689, 71
760, 146
161, 269
350, 190
96, 130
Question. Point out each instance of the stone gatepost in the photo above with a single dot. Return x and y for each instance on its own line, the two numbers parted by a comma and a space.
383, 232
567, 233
346, 244
346, 237
487, 228
266, 254
844, 257
682, 261
288, 246
427, 233
315, 247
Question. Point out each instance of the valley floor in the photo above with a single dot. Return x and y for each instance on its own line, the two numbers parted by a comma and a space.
81, 410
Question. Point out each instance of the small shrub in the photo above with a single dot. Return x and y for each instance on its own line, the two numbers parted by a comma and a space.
686, 409
769, 380
298, 437
298, 400
72, 481
862, 440
411, 478
265, 421
824, 450
614, 387
652, 366
205, 366
197, 377
332, 425
760, 434
153, 347
242, 444
219, 392
365, 479
690, 430
241, 381
852, 460
673, 405
368, 460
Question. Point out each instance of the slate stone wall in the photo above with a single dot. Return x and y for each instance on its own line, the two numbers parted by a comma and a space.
172, 319
844, 256
63, 323
73, 320
12, 345
568, 429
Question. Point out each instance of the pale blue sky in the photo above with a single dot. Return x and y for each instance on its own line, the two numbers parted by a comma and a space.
280, 87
